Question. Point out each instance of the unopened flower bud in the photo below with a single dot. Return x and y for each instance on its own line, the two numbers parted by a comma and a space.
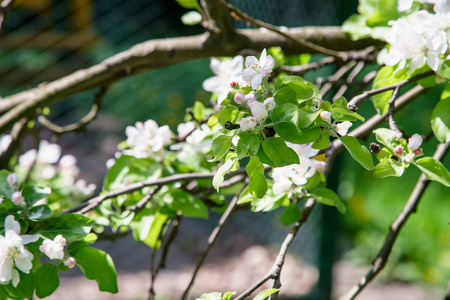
70, 262
17, 198
250, 98
239, 98
258, 110
59, 239
418, 151
247, 123
414, 142
342, 128
269, 103
12, 179
398, 150
233, 84
326, 116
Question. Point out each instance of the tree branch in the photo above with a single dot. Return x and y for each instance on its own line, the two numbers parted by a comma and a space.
275, 271
158, 53
5, 8
409, 208
212, 239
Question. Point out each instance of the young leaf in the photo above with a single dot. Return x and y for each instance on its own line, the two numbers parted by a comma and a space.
189, 4
306, 117
69, 225
328, 197
257, 180
228, 165
199, 109
264, 294
32, 194
285, 95
386, 137
97, 265
434, 170
248, 144
389, 167
360, 153
290, 214
188, 204
220, 146
46, 280
440, 121
278, 152
384, 78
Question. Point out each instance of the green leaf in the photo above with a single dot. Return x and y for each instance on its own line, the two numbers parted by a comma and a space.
40, 212
279, 153
220, 146
360, 153
384, 78
25, 288
445, 69
198, 111
5, 189
189, 205
306, 117
290, 214
285, 95
257, 180
434, 170
228, 114
249, 143
440, 121
302, 89
389, 167
386, 137
46, 280
189, 4
322, 141
264, 294
68, 225
147, 226
32, 194
213, 121
228, 165
340, 112
191, 18
328, 197
97, 265
211, 296
285, 119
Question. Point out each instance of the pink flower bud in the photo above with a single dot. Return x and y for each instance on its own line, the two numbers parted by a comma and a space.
250, 98
12, 179
59, 239
233, 84
247, 123
418, 151
17, 198
70, 262
414, 142
269, 103
258, 110
326, 116
398, 150
239, 98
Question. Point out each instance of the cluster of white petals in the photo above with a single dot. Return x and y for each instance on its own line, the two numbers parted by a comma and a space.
225, 72
54, 249
13, 254
147, 139
196, 138
297, 174
255, 70
419, 38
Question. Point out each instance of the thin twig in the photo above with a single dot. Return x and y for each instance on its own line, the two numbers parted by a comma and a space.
297, 40
79, 125
302, 69
211, 240
409, 208
94, 202
333, 78
349, 80
275, 271
5, 8
390, 114
17, 133
358, 100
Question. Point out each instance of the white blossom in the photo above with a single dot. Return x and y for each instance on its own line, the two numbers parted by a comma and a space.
5, 140
269, 103
13, 179
258, 110
255, 70
342, 128
326, 116
414, 142
247, 123
17, 198
297, 174
13, 254
147, 139
54, 249
48, 154
239, 98
225, 71
67, 166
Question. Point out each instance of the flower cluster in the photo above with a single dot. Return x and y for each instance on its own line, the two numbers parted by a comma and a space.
147, 139
13, 254
290, 178
58, 172
54, 249
419, 38
195, 138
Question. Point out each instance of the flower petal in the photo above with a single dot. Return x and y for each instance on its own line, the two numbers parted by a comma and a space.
12, 224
